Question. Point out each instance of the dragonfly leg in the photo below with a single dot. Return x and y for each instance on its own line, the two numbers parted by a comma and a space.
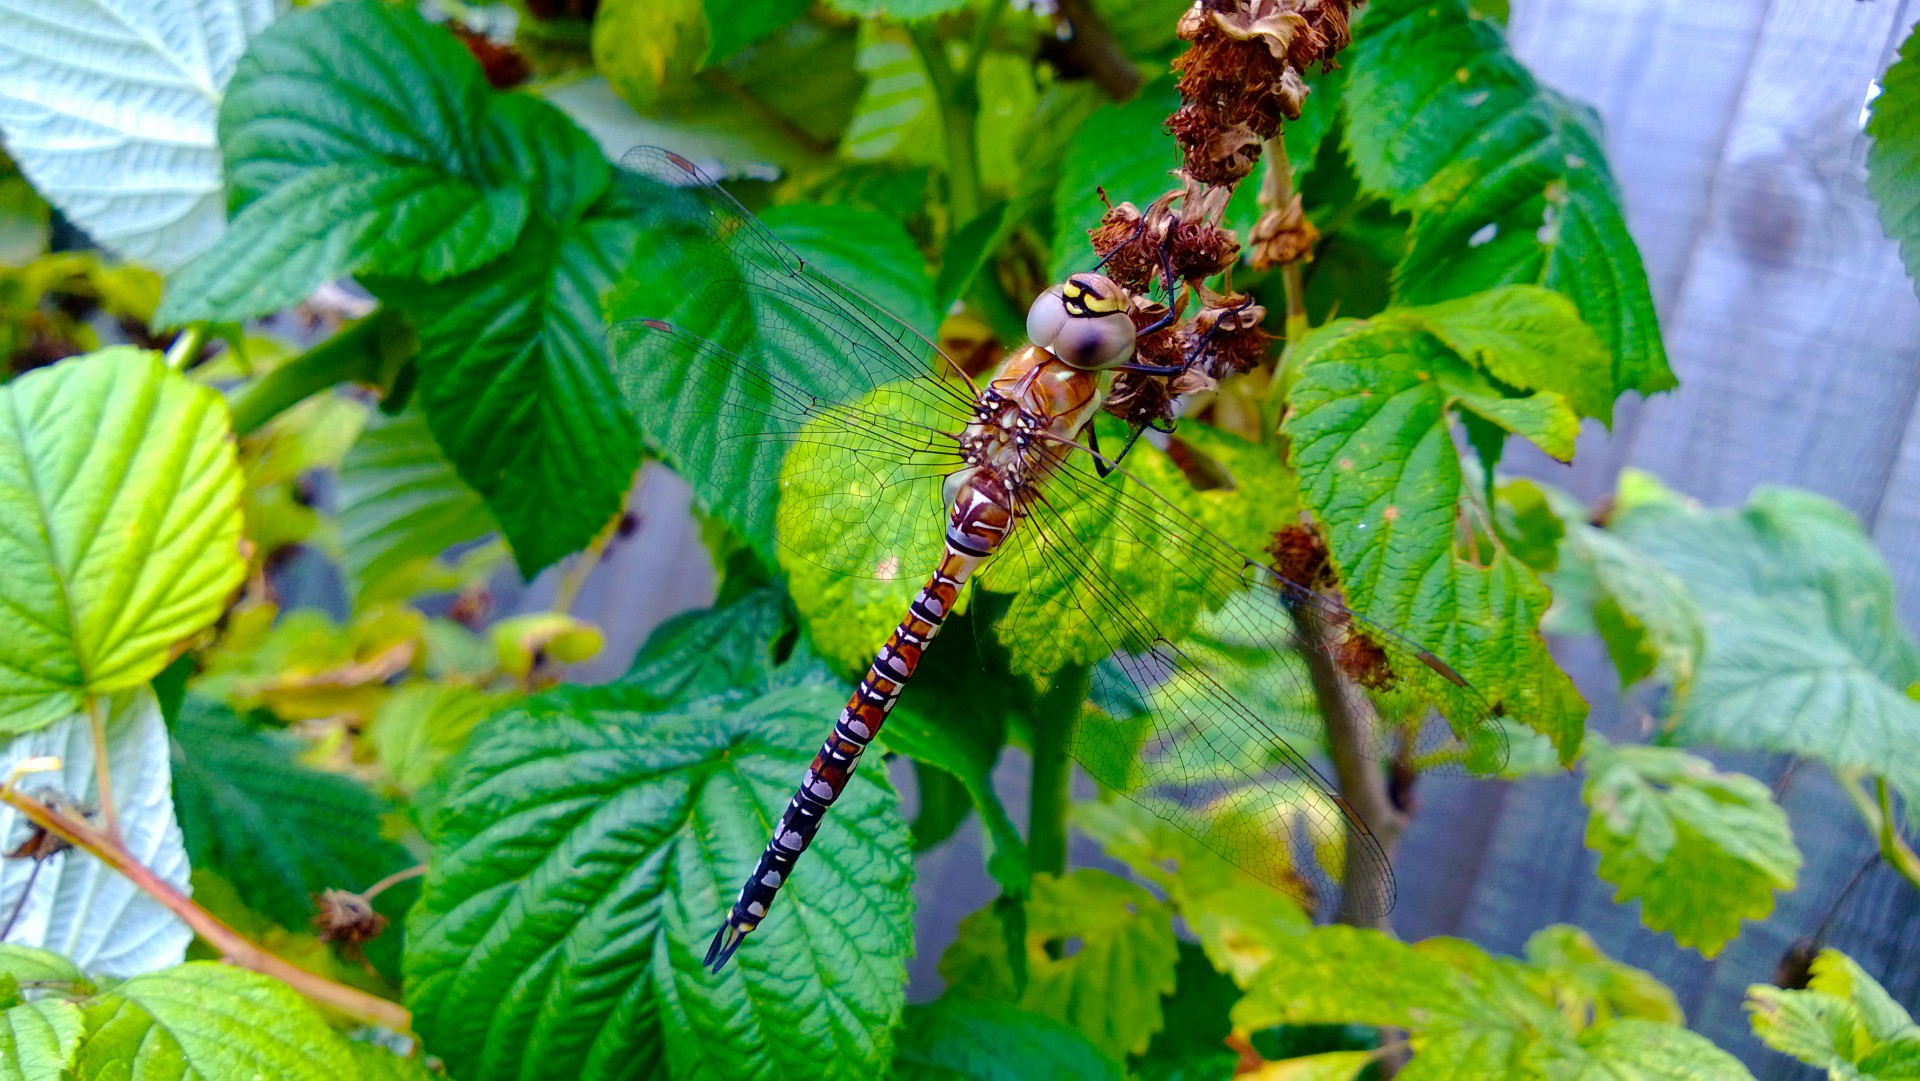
1103, 467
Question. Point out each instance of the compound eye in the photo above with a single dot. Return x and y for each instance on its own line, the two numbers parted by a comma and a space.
1046, 317
1100, 341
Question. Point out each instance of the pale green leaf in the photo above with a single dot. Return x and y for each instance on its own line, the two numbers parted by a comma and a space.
584, 855
1639, 1050
1641, 611
422, 724
375, 1063
1700, 849
206, 1021
109, 107
1376, 459
119, 494
1506, 180
957, 1039
897, 117
40, 1041
644, 47
279, 831
79, 907
33, 968
1588, 982
399, 502
356, 139
1529, 338
1893, 162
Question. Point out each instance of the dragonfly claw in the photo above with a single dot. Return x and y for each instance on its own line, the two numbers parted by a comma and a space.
725, 941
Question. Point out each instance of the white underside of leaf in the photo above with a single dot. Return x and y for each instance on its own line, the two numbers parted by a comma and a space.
79, 907
109, 107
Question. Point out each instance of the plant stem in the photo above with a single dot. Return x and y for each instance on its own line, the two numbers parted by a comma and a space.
1097, 52
1051, 791
959, 97
186, 346
370, 351
393, 880
354, 1003
102, 774
1877, 812
1276, 192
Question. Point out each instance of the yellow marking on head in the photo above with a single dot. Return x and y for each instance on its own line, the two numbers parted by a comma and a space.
1092, 294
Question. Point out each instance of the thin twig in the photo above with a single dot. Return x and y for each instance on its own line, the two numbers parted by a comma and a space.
393, 880
354, 1003
102, 773
1092, 48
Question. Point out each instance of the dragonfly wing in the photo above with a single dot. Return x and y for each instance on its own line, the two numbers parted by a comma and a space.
800, 413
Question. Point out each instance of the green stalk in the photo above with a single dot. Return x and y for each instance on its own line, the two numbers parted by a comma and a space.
959, 98
370, 351
1051, 792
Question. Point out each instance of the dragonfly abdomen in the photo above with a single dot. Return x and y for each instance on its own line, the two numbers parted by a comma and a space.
860, 720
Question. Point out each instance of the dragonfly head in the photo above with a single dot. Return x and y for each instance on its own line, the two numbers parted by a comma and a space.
1084, 322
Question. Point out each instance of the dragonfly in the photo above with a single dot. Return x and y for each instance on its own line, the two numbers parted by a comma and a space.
837, 413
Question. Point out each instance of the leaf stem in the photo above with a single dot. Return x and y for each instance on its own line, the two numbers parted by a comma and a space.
1276, 192
371, 350
354, 1003
393, 880
1051, 790
1877, 812
186, 346
102, 773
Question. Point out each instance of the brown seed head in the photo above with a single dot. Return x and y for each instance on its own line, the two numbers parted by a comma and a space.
1283, 236
1231, 328
1121, 240
1363, 660
348, 919
1299, 555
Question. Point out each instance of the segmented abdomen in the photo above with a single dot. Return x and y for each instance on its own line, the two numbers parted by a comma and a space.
859, 722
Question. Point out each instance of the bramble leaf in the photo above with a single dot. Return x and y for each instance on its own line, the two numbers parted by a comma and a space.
645, 46
1893, 162
119, 494
1376, 461
1588, 982
206, 1021
957, 1039
1122, 151
902, 10
1701, 850
1506, 180
582, 857
353, 135
110, 111
1843, 1022
400, 503
280, 832
732, 25
77, 906
1804, 652
40, 1040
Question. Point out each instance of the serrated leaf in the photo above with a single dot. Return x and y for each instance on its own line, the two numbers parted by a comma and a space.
423, 724
399, 503
77, 906
722, 450
1110, 988
1506, 180
32, 968
119, 495
208, 1022
956, 1039
1804, 652
645, 46
1843, 1022
1529, 338
1700, 849
1122, 150
713, 651
513, 378
353, 136
1641, 611
897, 116
109, 108
279, 831
1893, 162
1639, 1050
585, 852
732, 25
1589, 983
39, 1041
1376, 461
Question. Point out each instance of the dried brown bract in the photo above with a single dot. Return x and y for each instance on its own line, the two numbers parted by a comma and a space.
1230, 326
348, 919
1128, 255
1283, 236
1242, 76
1299, 555
1363, 660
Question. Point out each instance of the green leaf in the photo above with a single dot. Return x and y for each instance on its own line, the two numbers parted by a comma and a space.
1505, 179
1893, 162
957, 1039
32, 968
897, 116
376, 1063
732, 25
120, 494
1804, 652
1589, 983
902, 10
644, 47
279, 831
40, 1041
968, 252
513, 377
208, 1022
1843, 1022
1110, 988
585, 854
423, 724
1529, 338
729, 649
1638, 1050
82, 909
1701, 850
350, 138
399, 502
1122, 150
1370, 438
724, 451
110, 112
966, 752
1641, 611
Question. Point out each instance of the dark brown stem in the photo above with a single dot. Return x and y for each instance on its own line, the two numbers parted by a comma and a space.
354, 1003
1092, 48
